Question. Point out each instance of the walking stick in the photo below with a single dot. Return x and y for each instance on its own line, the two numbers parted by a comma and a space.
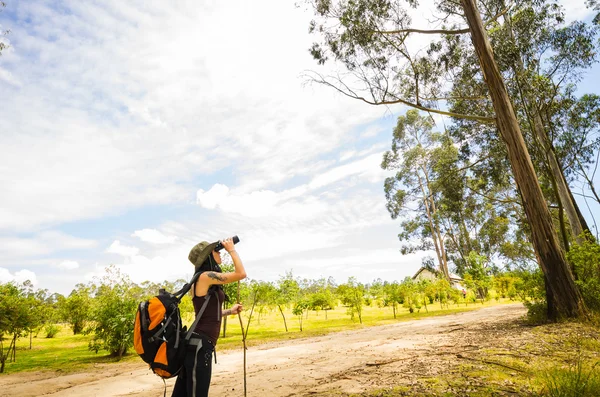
243, 336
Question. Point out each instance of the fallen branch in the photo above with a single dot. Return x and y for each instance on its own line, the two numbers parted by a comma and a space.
455, 329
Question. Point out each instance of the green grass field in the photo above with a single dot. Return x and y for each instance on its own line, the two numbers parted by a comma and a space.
67, 352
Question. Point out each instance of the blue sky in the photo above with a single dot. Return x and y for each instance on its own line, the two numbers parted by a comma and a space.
130, 131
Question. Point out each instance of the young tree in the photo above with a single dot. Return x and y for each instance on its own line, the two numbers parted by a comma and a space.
76, 308
17, 305
10, 304
299, 307
286, 293
391, 296
477, 276
320, 296
352, 294
230, 293
113, 313
322, 300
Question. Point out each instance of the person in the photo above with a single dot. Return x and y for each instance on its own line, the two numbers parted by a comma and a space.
194, 378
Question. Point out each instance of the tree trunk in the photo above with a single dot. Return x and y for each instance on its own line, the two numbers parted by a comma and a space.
437, 243
550, 307
437, 230
14, 348
283, 315
569, 302
565, 197
564, 192
225, 326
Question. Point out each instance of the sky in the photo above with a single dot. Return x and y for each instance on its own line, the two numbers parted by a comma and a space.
130, 131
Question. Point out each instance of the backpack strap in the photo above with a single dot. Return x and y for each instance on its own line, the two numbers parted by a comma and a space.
179, 294
191, 330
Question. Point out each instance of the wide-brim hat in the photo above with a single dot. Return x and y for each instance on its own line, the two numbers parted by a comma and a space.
200, 252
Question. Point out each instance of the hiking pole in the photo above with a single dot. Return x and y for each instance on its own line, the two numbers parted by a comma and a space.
243, 336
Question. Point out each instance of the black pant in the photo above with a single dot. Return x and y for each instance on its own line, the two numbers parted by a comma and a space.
194, 378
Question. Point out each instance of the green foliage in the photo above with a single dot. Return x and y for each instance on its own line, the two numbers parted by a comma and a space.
21, 312
52, 330
352, 295
477, 276
322, 300
585, 258
415, 149
505, 286
287, 291
76, 308
529, 285
298, 310
113, 313
231, 288
392, 295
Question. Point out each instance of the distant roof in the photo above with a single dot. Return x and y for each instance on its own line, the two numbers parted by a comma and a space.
436, 272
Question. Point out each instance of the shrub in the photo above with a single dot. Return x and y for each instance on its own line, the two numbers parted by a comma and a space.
51, 330
114, 314
537, 312
585, 258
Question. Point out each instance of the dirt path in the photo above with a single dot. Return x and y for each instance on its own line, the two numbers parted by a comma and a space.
344, 362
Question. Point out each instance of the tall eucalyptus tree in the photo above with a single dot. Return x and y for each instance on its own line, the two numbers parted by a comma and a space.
370, 38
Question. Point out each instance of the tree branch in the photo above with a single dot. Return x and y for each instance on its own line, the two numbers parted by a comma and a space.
352, 95
453, 98
442, 31
423, 31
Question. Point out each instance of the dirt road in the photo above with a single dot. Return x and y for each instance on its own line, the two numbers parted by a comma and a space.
340, 363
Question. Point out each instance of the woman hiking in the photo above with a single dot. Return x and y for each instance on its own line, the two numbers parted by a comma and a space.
194, 378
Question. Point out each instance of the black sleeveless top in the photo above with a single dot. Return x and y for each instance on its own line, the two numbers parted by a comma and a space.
210, 322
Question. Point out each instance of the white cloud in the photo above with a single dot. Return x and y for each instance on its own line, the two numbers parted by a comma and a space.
117, 248
169, 263
295, 202
347, 155
255, 204
43, 243
68, 265
112, 107
18, 277
576, 10
154, 236
8, 77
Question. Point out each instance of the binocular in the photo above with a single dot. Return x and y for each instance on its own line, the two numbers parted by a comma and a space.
219, 246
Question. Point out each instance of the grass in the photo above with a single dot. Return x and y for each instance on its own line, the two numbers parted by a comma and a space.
67, 352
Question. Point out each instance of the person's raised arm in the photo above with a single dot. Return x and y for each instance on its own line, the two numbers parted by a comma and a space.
239, 272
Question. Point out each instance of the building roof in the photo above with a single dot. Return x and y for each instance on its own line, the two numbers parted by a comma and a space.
453, 276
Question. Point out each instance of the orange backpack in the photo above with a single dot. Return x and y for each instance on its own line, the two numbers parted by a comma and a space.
158, 337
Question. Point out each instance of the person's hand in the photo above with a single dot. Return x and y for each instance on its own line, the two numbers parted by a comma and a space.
228, 244
237, 308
